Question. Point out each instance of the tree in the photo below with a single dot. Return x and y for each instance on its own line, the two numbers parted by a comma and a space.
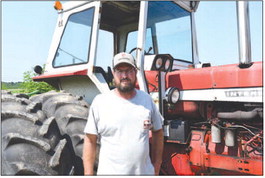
30, 86
3, 86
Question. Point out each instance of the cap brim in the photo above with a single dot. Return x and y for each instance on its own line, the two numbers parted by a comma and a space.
123, 61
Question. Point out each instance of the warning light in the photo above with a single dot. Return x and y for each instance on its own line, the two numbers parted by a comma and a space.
58, 5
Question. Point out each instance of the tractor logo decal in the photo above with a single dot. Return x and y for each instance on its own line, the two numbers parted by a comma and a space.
247, 93
147, 124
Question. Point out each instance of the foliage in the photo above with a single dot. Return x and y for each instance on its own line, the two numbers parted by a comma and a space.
30, 86
3, 86
10, 85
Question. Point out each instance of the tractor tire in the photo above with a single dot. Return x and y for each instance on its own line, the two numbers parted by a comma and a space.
31, 142
71, 114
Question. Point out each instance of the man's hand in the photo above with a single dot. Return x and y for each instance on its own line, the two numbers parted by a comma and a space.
157, 167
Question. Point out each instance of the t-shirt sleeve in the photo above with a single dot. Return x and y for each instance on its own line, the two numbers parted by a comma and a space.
157, 118
91, 125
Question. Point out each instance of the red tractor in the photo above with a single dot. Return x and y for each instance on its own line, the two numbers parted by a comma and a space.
213, 114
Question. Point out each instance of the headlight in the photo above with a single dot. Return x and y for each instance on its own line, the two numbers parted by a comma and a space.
172, 95
159, 63
162, 62
167, 65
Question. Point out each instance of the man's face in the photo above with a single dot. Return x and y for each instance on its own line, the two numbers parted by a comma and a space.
125, 77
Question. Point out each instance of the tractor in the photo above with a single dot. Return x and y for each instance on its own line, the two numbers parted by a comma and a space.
213, 115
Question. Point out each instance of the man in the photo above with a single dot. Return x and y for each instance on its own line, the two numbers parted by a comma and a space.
122, 119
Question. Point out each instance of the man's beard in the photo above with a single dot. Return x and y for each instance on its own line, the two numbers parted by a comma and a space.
126, 89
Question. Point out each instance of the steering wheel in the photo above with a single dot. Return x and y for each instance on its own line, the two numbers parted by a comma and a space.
148, 52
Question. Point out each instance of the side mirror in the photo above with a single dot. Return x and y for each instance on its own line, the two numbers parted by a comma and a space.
38, 69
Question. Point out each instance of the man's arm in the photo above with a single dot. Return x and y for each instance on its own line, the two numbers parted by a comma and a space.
89, 153
157, 149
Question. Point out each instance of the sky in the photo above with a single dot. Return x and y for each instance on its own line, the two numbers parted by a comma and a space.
27, 30
28, 26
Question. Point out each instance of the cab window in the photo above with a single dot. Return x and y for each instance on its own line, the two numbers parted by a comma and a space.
75, 42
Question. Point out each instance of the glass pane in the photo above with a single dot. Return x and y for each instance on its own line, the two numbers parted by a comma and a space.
75, 42
171, 27
216, 25
105, 49
132, 42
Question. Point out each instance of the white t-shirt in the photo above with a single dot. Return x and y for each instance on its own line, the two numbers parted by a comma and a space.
123, 127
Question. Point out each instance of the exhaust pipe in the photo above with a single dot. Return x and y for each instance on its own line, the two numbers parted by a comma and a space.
243, 26
241, 115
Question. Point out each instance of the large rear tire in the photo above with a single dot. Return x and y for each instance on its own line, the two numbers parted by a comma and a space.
71, 113
31, 142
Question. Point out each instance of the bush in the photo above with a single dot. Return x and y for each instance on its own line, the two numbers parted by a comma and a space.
30, 86
3, 86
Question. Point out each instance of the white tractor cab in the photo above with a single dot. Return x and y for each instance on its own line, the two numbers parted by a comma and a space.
160, 34
89, 34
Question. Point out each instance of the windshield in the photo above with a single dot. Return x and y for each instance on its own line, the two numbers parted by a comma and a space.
217, 33
171, 30
75, 42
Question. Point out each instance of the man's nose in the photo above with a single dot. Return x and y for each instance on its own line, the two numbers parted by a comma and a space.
124, 74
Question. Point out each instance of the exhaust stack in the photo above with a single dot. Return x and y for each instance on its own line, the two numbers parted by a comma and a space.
243, 26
